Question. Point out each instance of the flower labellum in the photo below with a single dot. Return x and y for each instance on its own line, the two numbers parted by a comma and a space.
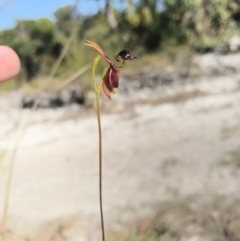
125, 55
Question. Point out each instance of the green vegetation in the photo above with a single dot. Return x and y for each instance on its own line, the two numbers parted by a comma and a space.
149, 235
144, 27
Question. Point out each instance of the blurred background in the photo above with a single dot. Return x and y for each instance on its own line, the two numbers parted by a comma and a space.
171, 135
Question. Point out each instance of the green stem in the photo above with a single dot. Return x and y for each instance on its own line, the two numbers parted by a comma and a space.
100, 161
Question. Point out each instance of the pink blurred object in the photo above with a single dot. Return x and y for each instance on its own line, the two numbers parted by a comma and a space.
9, 63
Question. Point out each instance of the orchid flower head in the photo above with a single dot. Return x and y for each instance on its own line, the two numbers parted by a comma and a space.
111, 78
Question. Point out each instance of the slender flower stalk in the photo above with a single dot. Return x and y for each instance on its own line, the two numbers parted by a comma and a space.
100, 164
108, 84
97, 90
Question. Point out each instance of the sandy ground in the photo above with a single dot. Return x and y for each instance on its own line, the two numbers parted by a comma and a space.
152, 153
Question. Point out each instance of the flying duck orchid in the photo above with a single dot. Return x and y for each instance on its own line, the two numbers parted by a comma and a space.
111, 78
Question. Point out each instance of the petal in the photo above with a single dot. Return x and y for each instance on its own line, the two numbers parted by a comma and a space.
106, 79
114, 75
106, 90
100, 51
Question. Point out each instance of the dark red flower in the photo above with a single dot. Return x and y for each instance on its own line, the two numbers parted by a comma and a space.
111, 78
